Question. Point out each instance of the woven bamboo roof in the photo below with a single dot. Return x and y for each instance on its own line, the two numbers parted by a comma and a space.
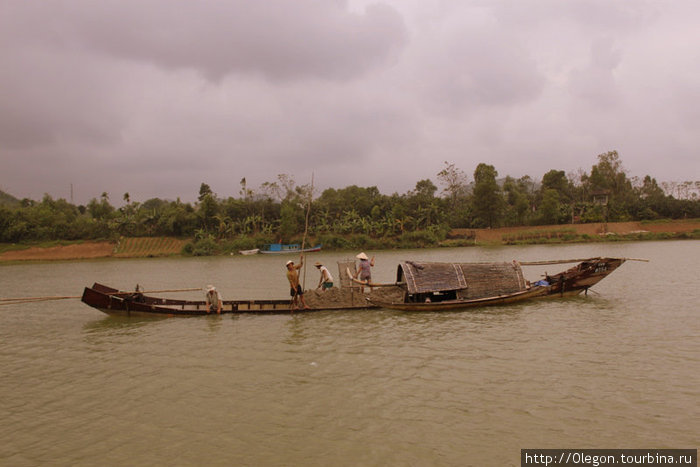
479, 279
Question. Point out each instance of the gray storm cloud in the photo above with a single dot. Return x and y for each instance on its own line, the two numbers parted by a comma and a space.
153, 97
277, 39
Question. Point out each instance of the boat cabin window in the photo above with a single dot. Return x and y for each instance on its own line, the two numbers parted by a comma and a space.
432, 296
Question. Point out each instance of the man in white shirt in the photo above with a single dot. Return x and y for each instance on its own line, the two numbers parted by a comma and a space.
213, 299
326, 280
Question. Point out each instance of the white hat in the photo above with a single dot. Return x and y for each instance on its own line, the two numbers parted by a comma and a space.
210, 288
289, 262
361, 256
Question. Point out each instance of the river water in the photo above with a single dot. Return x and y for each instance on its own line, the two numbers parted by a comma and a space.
619, 368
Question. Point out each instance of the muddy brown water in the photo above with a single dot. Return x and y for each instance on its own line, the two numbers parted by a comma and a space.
616, 369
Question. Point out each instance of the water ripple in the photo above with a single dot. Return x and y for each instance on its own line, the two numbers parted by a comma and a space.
614, 369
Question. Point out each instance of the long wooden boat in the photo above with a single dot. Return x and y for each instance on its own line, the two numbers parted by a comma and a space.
419, 287
115, 302
283, 248
454, 286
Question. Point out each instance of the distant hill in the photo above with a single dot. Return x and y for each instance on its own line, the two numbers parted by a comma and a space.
8, 200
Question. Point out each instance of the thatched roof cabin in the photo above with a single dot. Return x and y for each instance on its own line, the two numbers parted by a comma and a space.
464, 280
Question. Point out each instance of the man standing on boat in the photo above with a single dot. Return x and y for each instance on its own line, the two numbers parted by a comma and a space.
293, 277
213, 299
326, 280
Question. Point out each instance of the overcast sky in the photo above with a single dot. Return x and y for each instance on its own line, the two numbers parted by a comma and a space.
154, 97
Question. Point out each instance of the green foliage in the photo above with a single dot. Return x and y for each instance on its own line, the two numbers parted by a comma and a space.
550, 211
289, 220
335, 242
208, 209
556, 180
419, 238
244, 242
593, 213
204, 192
100, 210
359, 217
8, 200
202, 246
361, 241
518, 199
488, 200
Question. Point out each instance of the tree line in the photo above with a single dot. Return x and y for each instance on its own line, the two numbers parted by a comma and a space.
277, 210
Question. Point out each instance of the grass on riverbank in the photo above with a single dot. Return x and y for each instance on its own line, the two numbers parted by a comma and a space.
168, 246
571, 236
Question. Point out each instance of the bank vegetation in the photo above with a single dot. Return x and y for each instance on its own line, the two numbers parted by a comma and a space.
363, 218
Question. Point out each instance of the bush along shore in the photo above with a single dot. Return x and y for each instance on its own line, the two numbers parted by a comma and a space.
132, 247
604, 204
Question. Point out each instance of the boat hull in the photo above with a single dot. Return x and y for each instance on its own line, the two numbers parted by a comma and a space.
449, 305
567, 283
114, 302
583, 276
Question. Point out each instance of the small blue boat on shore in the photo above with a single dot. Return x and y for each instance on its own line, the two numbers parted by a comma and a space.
283, 248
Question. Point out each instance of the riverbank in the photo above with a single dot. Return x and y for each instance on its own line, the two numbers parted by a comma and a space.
580, 233
144, 247
572, 233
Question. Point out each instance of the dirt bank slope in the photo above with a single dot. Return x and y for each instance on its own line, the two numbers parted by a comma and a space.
620, 228
133, 247
77, 251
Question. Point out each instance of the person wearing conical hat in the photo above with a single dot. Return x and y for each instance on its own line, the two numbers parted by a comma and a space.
326, 280
213, 299
364, 272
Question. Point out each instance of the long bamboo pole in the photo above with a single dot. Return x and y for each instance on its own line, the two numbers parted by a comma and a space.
10, 301
564, 261
31, 300
306, 227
